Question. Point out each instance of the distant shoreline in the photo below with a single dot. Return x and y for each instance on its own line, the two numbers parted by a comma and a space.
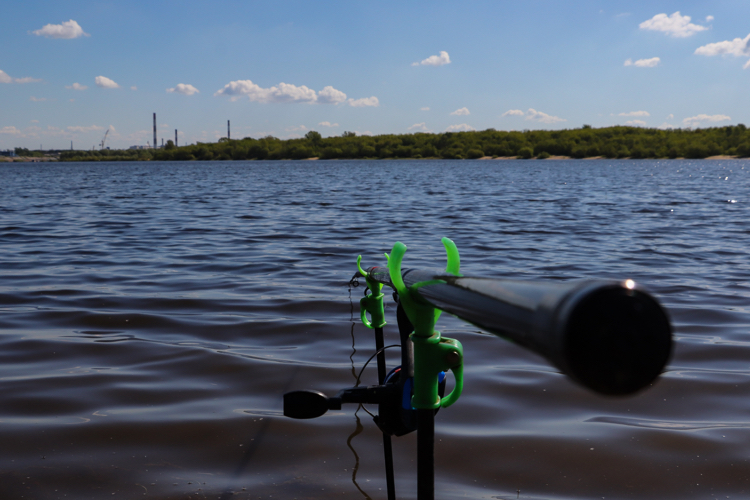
717, 143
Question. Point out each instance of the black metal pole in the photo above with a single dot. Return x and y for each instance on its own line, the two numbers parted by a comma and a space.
387, 445
425, 454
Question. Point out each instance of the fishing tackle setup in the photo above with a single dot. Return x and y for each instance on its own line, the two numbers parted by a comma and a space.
611, 337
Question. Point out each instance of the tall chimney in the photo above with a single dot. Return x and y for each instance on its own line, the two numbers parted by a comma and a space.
154, 130
175, 137
229, 135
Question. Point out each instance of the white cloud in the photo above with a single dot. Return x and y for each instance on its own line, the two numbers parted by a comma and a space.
461, 112
540, 117
695, 121
422, 127
665, 126
184, 89
330, 95
636, 113
643, 63
636, 123
26, 79
37, 99
78, 128
440, 60
67, 30
6, 78
460, 128
426, 108
284, 92
736, 47
133, 88
513, 112
670, 116
76, 86
10, 131
296, 129
364, 102
106, 83
328, 124
739, 47
709, 19
675, 25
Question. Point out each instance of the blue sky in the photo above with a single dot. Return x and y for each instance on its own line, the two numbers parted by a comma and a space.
71, 70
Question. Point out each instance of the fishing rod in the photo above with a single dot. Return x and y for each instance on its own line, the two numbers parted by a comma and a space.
611, 337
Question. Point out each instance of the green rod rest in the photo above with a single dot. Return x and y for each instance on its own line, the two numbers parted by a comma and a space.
372, 303
432, 353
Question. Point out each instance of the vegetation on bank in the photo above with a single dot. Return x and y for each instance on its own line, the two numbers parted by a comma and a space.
585, 142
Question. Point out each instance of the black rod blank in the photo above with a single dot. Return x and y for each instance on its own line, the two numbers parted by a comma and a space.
609, 336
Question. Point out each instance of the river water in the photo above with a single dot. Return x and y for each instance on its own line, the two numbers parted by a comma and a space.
153, 314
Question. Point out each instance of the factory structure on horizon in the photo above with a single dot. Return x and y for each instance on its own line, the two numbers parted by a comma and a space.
154, 145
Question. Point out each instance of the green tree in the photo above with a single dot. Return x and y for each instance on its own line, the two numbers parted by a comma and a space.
314, 137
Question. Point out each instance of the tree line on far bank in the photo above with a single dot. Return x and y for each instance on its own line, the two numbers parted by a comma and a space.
585, 142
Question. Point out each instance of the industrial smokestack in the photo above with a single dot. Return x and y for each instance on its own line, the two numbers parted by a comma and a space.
229, 135
175, 137
155, 131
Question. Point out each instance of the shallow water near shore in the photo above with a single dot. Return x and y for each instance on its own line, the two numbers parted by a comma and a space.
153, 314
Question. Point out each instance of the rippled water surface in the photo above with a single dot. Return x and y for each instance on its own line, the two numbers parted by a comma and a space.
152, 315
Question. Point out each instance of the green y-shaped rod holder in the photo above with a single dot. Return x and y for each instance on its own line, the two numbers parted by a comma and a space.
432, 353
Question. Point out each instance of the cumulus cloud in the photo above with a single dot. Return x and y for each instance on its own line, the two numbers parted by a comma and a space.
665, 126
330, 95
670, 116
636, 113
10, 131
37, 99
709, 19
284, 92
422, 127
695, 121
676, 25
76, 86
364, 102
184, 89
133, 88
461, 112
636, 123
460, 128
6, 78
296, 129
67, 30
739, 47
105, 83
79, 128
26, 79
540, 117
643, 63
513, 112
439, 60
328, 124
426, 108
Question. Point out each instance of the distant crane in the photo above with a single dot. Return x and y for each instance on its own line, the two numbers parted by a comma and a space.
105, 138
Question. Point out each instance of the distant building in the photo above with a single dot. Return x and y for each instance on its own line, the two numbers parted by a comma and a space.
140, 147
11, 153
